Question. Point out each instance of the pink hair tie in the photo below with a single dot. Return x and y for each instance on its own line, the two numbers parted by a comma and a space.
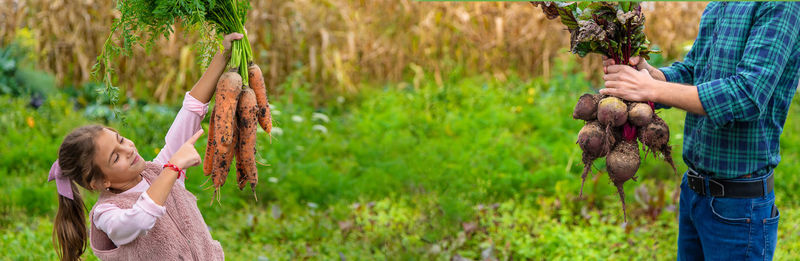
63, 184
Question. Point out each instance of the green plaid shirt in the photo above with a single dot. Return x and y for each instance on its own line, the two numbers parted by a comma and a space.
745, 64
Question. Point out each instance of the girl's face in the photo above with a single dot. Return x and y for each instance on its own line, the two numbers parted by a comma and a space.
118, 159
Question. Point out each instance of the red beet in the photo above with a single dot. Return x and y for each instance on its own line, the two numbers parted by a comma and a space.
622, 164
592, 141
612, 111
640, 114
656, 137
586, 109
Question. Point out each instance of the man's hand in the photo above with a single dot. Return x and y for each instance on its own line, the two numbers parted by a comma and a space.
640, 64
627, 83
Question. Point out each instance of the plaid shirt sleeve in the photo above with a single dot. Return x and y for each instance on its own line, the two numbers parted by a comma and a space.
744, 95
681, 72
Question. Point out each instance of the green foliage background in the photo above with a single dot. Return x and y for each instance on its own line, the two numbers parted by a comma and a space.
474, 168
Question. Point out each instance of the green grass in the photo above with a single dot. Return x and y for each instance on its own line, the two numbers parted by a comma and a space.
400, 173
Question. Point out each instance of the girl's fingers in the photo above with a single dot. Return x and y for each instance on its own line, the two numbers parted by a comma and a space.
196, 136
194, 162
233, 36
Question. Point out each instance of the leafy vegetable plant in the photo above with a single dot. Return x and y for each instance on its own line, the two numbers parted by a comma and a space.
613, 125
142, 22
614, 29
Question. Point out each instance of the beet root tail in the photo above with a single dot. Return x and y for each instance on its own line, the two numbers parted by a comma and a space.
587, 168
622, 199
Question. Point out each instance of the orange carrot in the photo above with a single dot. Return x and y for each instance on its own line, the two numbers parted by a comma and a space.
228, 89
246, 116
208, 162
268, 119
260, 89
222, 161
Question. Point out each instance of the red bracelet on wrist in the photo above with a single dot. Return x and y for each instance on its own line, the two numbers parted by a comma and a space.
176, 169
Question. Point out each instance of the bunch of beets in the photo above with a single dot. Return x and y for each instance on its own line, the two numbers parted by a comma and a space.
613, 125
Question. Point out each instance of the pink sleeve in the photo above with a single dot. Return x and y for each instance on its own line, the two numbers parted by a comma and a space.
186, 123
124, 225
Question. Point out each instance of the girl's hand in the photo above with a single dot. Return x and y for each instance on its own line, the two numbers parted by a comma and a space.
227, 40
204, 89
187, 155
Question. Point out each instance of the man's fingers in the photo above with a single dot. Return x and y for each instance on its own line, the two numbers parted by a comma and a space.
619, 68
616, 85
616, 68
610, 84
616, 92
196, 136
610, 77
635, 60
607, 91
606, 63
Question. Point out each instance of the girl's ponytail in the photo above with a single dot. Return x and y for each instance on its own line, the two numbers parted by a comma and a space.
69, 228
75, 166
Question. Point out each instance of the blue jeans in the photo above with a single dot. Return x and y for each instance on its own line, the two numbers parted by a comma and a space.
712, 228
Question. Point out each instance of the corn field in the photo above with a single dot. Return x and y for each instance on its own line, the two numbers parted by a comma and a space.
333, 44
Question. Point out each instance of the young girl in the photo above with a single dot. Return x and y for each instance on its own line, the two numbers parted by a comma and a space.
143, 212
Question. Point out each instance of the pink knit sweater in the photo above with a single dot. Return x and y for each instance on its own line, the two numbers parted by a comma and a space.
123, 225
129, 225
181, 234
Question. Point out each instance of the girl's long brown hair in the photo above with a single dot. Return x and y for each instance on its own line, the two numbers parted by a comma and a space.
75, 157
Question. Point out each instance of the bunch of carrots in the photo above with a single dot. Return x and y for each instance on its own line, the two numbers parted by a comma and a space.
241, 97
232, 128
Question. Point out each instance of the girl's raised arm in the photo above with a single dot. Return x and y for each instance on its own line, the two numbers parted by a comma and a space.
186, 124
195, 103
204, 88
